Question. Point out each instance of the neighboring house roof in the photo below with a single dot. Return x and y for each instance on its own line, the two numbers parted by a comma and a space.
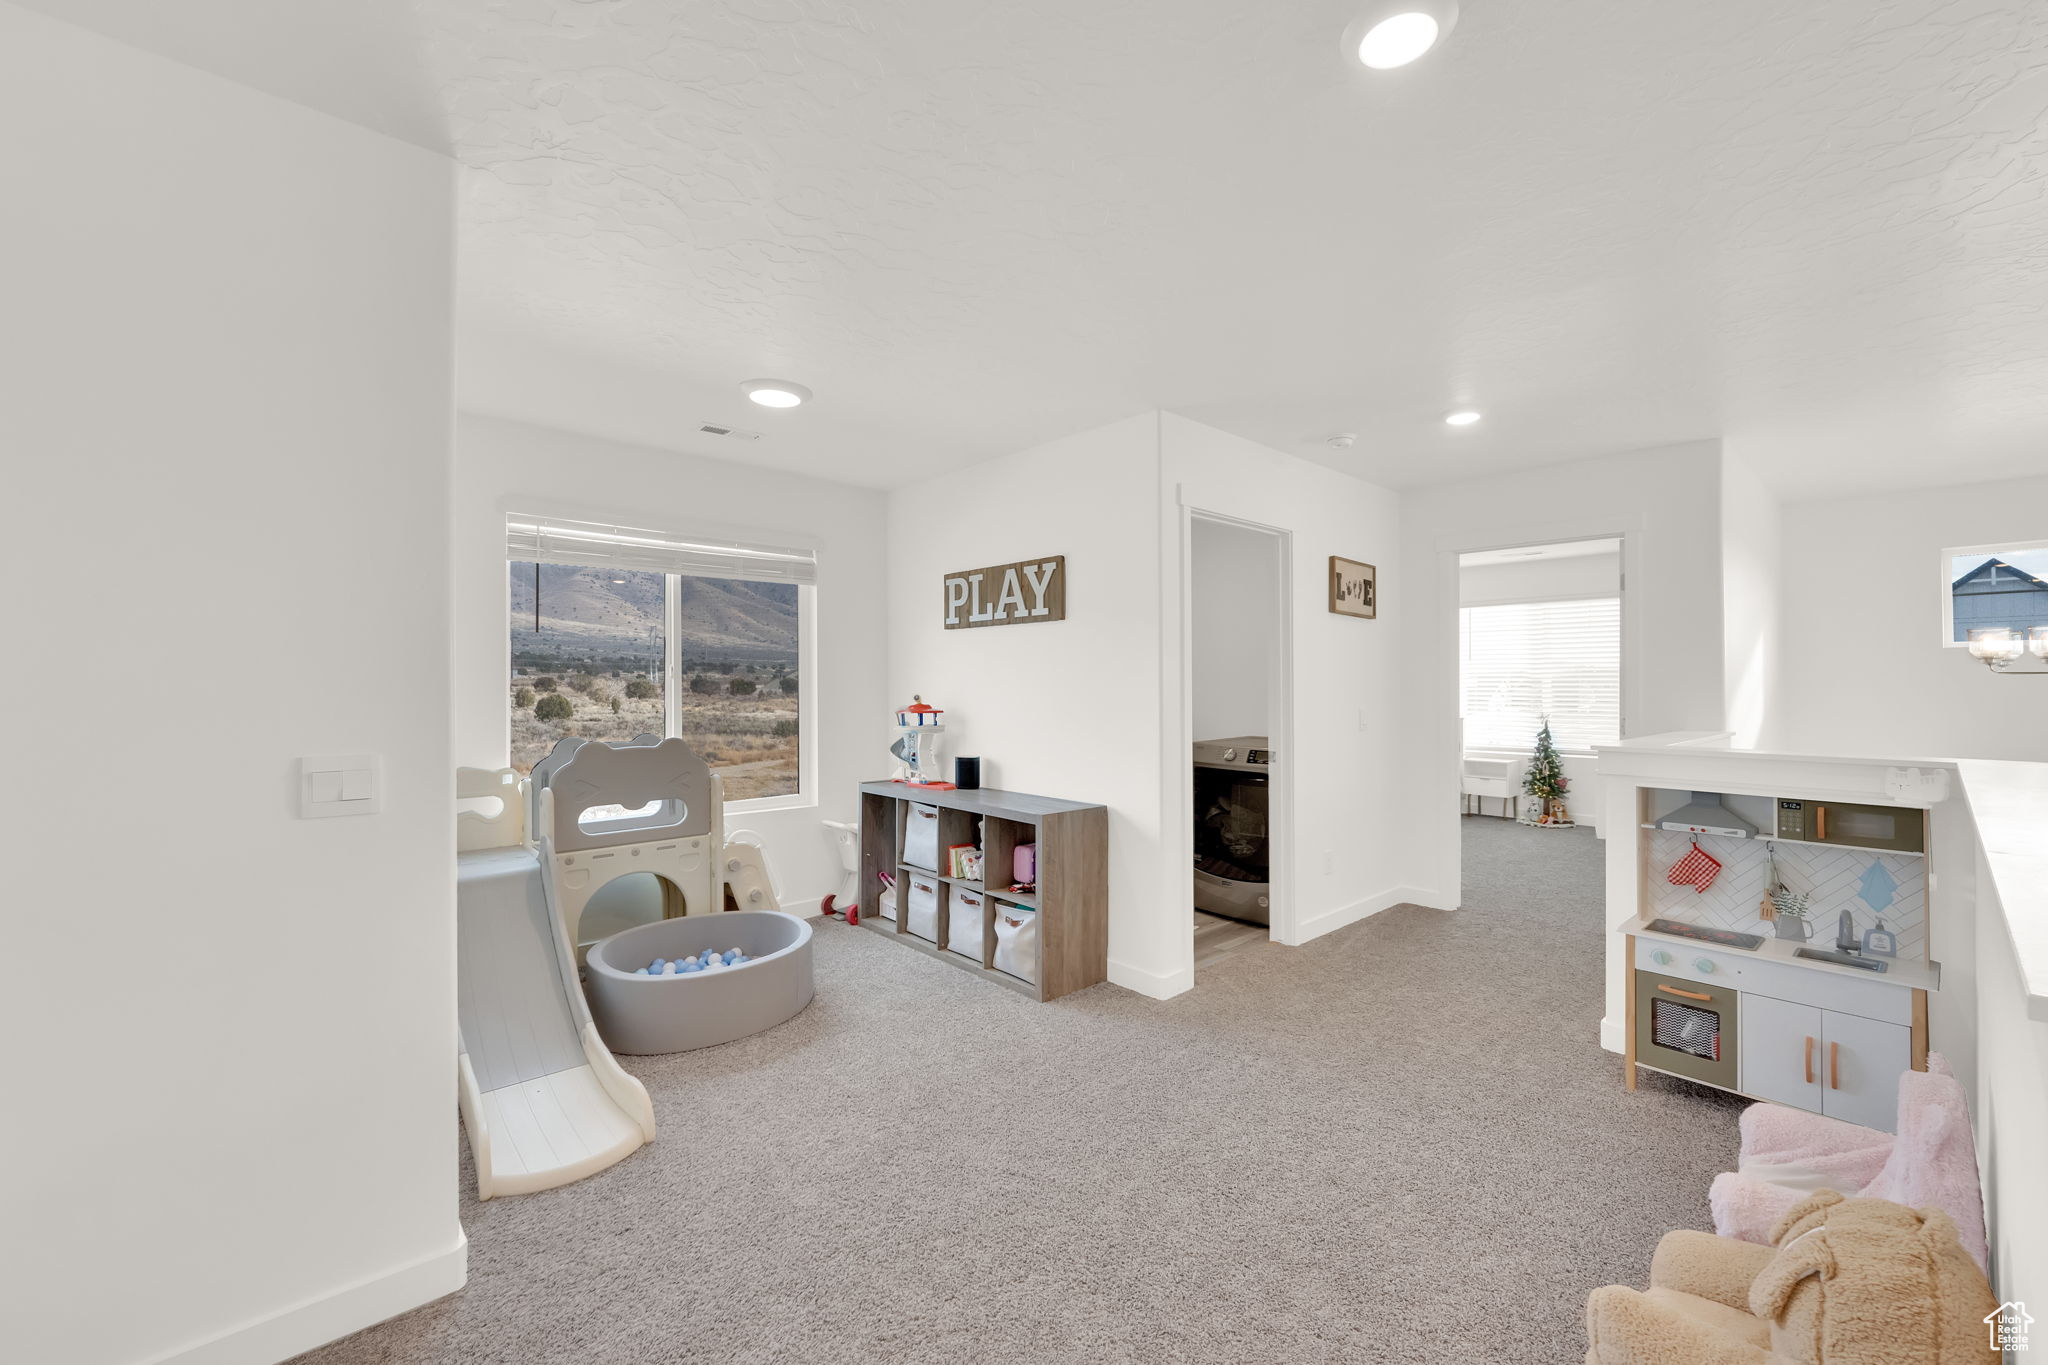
1983, 573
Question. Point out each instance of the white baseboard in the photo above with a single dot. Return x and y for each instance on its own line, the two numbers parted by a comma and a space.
1158, 985
1613, 1036
318, 1321
1315, 926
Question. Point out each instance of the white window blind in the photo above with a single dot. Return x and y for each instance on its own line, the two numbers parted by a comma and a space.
552, 540
1522, 661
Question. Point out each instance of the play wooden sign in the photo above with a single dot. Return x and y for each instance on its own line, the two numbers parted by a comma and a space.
1008, 594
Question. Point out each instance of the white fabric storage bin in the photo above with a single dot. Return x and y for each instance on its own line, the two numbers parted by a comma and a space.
1017, 941
921, 907
963, 922
921, 835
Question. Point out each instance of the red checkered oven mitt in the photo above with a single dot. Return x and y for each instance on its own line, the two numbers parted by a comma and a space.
1696, 869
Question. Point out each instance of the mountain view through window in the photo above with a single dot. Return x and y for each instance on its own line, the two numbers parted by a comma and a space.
590, 656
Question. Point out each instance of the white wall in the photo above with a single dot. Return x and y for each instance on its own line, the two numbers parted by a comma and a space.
1059, 708
228, 368
1666, 505
1339, 849
1861, 668
2011, 1099
1751, 632
503, 466
1234, 585
1538, 580
1115, 501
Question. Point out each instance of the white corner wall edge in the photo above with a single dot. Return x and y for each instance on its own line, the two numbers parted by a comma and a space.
1158, 985
1315, 926
316, 1322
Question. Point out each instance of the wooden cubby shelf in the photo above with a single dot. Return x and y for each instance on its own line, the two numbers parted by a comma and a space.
1072, 900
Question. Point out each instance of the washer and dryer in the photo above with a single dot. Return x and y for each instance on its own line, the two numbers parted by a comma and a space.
1231, 836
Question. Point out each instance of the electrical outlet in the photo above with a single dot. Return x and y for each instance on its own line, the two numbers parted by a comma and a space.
1361, 718
1329, 861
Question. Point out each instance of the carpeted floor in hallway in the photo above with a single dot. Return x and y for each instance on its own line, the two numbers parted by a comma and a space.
1400, 1143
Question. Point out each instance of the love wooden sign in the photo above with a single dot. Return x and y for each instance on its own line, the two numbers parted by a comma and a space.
1008, 594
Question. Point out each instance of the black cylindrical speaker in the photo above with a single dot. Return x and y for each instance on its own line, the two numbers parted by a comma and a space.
967, 773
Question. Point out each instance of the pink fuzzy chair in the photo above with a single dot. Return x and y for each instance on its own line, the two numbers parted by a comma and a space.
1788, 1154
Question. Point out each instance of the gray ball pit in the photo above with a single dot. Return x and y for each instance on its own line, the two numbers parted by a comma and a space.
644, 1015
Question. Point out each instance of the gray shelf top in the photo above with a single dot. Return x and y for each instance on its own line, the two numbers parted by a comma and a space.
981, 801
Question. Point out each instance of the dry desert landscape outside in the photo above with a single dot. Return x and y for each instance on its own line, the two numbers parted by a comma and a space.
589, 658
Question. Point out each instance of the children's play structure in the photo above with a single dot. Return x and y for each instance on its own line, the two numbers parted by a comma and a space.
542, 1097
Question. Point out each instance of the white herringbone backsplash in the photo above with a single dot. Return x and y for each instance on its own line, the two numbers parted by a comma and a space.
1832, 876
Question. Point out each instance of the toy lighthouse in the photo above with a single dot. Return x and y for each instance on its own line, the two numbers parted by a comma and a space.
917, 738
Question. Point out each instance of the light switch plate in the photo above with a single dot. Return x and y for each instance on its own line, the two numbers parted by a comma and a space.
340, 784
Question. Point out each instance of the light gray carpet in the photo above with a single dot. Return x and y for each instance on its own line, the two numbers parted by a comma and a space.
1400, 1143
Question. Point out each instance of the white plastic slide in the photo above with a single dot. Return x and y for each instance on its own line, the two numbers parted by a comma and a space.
542, 1098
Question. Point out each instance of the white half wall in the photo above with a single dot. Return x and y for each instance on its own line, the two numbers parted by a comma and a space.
229, 404
1664, 503
503, 466
1339, 852
1057, 708
1862, 667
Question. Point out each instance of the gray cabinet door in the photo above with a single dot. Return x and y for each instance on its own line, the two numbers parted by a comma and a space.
1864, 1059
1782, 1051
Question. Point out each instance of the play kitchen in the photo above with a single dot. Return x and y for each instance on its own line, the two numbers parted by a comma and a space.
1780, 947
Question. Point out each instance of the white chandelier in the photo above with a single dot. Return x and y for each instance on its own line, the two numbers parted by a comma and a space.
1998, 646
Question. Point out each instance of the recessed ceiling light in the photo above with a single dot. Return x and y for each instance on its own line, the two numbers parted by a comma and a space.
1397, 41
1392, 33
775, 393
1461, 419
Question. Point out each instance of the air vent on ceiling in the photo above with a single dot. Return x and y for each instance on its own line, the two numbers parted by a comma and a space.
736, 433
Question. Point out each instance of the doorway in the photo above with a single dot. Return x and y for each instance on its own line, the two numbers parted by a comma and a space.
1540, 661
1237, 648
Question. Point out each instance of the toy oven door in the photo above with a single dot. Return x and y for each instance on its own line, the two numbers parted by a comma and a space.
1686, 1028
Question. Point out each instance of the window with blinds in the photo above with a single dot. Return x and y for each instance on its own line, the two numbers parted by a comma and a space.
590, 544
619, 631
1523, 661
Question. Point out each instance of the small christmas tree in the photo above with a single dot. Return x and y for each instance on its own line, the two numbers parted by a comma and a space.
1546, 780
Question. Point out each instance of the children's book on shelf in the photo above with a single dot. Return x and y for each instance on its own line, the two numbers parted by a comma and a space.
964, 861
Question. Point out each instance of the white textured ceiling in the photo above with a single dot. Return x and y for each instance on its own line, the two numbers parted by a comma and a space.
1817, 229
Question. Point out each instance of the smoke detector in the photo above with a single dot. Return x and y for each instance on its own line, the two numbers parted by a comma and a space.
1343, 440
720, 429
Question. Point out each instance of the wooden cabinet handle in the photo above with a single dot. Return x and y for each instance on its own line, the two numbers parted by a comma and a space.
1690, 995
1820, 824
1834, 1066
1809, 1059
